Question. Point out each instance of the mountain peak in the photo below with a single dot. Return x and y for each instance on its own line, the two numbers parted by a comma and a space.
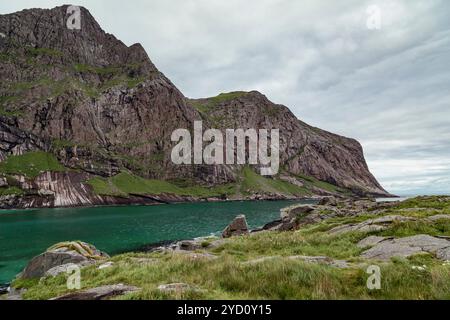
48, 29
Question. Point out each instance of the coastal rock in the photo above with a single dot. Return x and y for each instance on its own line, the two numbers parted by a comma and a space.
408, 246
296, 211
99, 293
236, 228
189, 245
76, 252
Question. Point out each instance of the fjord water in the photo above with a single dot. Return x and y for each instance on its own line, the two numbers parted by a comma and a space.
27, 233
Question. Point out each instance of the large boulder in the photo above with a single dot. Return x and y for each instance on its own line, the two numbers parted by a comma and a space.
236, 228
408, 246
61, 254
296, 211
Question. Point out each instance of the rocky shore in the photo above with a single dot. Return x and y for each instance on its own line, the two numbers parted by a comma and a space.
335, 234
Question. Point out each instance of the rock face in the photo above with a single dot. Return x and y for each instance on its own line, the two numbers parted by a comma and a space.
102, 107
99, 293
236, 228
59, 257
405, 247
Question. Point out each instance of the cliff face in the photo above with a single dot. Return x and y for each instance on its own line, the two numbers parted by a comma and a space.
304, 150
102, 108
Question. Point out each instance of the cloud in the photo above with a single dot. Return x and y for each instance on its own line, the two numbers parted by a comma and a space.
387, 88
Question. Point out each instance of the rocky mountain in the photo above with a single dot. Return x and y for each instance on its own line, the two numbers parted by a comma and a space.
85, 119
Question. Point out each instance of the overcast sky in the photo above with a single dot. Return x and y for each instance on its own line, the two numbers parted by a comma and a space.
388, 88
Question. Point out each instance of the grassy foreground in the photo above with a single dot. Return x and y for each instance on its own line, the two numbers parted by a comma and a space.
230, 276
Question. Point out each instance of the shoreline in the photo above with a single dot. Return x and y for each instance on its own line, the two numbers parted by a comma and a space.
136, 204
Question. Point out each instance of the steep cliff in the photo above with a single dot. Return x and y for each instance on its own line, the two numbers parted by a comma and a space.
105, 114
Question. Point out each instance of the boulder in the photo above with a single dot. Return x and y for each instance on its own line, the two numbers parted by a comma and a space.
76, 252
236, 228
408, 246
99, 293
65, 268
296, 211
189, 245
330, 201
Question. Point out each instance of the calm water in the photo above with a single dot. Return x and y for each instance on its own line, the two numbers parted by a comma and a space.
25, 234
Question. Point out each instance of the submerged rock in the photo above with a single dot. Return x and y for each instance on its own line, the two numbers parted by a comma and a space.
236, 228
62, 254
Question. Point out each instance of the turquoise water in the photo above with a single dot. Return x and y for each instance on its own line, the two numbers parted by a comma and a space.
25, 234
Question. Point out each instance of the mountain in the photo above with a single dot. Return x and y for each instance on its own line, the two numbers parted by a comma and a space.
85, 120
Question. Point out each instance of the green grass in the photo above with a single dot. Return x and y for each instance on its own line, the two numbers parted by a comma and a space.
253, 182
126, 183
31, 164
313, 182
10, 191
204, 107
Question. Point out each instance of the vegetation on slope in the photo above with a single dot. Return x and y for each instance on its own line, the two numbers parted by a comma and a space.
249, 183
31, 164
204, 105
126, 183
253, 182
235, 274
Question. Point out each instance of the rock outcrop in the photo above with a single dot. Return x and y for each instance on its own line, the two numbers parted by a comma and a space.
102, 107
299, 215
237, 227
385, 249
99, 293
60, 257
